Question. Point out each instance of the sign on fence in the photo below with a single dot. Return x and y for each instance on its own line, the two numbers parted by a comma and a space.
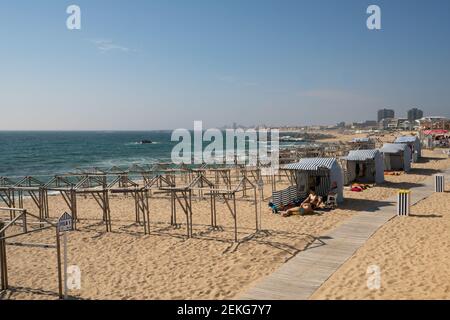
65, 222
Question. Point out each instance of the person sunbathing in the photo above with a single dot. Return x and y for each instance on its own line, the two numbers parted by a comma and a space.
313, 201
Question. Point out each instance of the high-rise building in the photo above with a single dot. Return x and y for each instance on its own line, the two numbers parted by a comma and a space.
414, 114
385, 114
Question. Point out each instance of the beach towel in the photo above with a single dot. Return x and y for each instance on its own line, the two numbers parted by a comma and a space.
273, 207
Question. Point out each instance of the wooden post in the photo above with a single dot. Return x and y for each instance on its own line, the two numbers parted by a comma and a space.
73, 207
171, 208
65, 264
58, 258
107, 210
173, 218
142, 206
3, 261
24, 221
41, 201
20, 193
213, 209
190, 213
244, 193
136, 206
186, 211
11, 204
258, 222
235, 218
147, 210
185, 208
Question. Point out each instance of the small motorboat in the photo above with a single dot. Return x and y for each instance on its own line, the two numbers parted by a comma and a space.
145, 142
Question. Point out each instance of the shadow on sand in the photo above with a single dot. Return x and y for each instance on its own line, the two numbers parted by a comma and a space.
364, 205
265, 237
50, 294
401, 185
426, 215
424, 171
428, 159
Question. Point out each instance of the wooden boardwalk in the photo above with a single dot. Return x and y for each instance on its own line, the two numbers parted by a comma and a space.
302, 275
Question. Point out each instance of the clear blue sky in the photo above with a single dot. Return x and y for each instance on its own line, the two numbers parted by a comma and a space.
163, 64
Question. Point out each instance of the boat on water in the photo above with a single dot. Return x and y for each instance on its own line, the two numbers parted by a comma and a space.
145, 142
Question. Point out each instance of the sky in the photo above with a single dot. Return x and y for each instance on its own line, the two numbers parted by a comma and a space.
161, 64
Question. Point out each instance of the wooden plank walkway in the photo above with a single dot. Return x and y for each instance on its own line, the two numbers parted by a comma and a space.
302, 275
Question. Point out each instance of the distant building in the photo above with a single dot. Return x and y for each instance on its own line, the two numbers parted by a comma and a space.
414, 114
385, 114
433, 123
404, 124
383, 123
368, 124
371, 123
394, 124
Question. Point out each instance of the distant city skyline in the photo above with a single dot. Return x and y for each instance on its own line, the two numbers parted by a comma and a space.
152, 65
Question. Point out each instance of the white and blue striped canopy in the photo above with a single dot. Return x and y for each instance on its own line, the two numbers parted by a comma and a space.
393, 147
406, 139
361, 155
311, 164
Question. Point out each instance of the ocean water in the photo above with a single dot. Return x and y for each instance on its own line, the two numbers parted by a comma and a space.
44, 154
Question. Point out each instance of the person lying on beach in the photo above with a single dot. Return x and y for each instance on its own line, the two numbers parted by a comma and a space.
312, 202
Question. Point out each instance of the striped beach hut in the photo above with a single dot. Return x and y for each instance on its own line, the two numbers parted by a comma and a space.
413, 142
365, 166
397, 156
322, 174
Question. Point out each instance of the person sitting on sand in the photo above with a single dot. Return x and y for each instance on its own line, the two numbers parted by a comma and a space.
312, 202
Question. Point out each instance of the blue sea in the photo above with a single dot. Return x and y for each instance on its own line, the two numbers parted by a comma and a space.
44, 154
48, 153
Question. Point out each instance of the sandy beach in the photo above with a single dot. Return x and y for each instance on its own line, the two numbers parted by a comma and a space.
412, 254
126, 264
